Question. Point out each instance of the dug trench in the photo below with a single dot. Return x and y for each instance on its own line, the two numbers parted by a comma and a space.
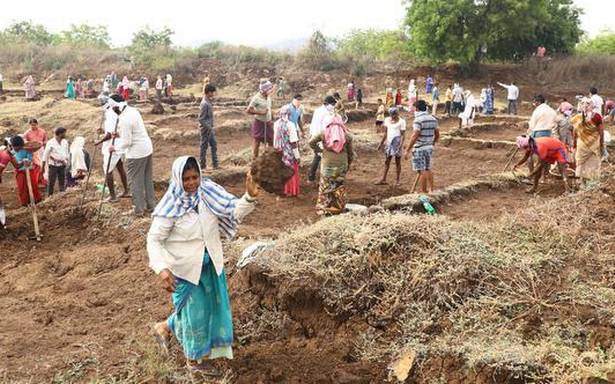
85, 296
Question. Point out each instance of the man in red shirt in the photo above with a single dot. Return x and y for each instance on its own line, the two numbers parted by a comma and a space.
549, 151
37, 134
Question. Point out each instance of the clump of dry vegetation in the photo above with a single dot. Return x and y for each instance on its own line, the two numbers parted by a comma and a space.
79, 118
530, 296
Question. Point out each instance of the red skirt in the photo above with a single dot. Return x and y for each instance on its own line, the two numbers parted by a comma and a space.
22, 186
291, 188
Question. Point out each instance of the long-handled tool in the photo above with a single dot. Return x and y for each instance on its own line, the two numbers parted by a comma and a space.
2, 216
91, 166
416, 182
511, 159
87, 179
37, 231
102, 197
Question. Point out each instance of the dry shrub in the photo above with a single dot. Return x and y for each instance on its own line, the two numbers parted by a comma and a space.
529, 296
590, 70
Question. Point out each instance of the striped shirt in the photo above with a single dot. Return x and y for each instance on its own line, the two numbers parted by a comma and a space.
426, 125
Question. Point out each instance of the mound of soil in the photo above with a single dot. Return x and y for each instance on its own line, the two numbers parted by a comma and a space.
157, 109
270, 172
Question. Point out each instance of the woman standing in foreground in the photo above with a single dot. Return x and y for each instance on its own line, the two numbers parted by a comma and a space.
185, 250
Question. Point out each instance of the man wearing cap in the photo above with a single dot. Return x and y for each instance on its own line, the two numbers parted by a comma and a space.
139, 149
117, 158
549, 151
260, 107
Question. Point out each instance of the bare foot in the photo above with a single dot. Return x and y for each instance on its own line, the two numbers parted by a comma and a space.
162, 334
125, 195
530, 191
381, 182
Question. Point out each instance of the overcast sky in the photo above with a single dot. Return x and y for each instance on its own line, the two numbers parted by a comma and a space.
257, 23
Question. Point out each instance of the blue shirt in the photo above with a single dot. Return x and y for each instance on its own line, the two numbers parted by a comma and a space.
295, 113
21, 155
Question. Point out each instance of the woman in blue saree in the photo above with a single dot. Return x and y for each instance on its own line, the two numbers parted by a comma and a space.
185, 250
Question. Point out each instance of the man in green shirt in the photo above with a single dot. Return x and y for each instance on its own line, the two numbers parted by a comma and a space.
260, 107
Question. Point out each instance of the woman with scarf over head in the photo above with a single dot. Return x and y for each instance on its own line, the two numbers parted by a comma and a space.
79, 161
285, 140
588, 139
29, 88
185, 250
337, 156
489, 100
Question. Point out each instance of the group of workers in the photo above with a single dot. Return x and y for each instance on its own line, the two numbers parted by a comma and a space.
567, 138
184, 240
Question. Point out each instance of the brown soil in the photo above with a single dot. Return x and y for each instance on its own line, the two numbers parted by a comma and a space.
489, 205
78, 305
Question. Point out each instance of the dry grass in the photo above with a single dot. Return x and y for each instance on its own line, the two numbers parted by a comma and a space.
77, 117
591, 70
528, 296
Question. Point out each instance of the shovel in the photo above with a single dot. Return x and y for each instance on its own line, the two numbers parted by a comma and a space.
2, 216
37, 232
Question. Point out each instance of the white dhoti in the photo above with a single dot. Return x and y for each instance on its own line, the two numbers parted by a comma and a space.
115, 158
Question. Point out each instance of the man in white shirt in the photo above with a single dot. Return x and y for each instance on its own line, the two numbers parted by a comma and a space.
56, 157
543, 120
138, 149
321, 117
112, 160
513, 96
458, 99
598, 101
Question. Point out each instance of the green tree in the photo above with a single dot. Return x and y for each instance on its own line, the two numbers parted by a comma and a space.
603, 44
25, 32
471, 30
147, 38
374, 44
318, 54
152, 48
85, 35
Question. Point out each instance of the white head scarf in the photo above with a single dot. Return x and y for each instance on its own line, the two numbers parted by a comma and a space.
177, 202
77, 156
